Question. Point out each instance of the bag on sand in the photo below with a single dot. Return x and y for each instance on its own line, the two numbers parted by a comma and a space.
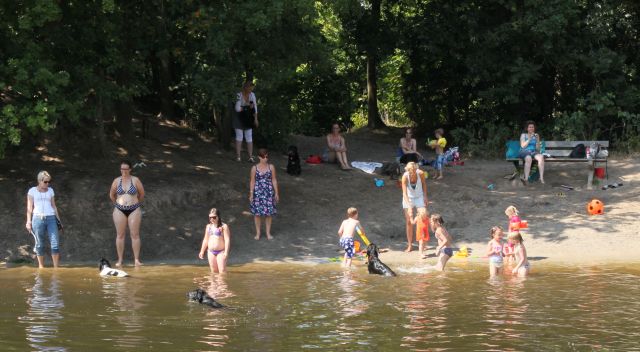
579, 151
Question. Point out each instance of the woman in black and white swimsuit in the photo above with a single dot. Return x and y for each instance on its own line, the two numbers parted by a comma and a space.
127, 195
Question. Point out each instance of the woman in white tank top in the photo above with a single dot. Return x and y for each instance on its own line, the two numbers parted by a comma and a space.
414, 195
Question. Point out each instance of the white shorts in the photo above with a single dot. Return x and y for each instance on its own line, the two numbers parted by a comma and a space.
414, 203
248, 135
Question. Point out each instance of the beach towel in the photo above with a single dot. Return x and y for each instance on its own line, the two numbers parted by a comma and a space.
366, 166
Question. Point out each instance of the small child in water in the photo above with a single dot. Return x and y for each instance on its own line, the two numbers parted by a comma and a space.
514, 227
216, 242
522, 264
422, 229
444, 249
494, 251
346, 232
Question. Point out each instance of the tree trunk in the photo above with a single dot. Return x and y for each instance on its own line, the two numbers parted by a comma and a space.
164, 81
102, 143
373, 115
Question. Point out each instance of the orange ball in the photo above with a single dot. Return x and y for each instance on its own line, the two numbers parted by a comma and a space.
595, 207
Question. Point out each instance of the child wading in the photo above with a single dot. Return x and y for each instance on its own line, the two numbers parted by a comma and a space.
444, 249
494, 251
217, 241
422, 230
346, 232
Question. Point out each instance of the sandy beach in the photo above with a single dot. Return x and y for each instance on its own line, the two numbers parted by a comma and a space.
186, 174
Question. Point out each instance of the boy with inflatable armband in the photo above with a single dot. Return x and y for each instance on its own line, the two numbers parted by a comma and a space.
439, 144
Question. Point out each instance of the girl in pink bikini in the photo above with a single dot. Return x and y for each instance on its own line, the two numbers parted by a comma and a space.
216, 242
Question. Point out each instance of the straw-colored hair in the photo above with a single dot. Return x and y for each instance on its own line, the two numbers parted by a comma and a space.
351, 212
511, 211
515, 236
411, 166
43, 175
437, 218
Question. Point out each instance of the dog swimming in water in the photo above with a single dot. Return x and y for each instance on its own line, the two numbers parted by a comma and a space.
107, 270
201, 296
374, 264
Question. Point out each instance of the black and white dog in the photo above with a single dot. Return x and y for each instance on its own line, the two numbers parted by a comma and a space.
293, 165
374, 264
199, 295
107, 270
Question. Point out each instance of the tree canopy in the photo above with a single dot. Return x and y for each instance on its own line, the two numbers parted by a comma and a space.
478, 69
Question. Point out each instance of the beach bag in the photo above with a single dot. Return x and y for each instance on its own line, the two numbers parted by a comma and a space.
391, 169
314, 159
513, 150
579, 151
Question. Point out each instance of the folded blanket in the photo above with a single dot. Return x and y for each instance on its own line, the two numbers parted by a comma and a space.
366, 166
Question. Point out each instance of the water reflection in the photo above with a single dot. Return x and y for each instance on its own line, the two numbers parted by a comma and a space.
215, 334
44, 313
126, 308
426, 311
505, 306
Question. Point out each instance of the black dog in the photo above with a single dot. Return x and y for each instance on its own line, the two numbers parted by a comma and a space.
107, 270
374, 264
293, 165
199, 295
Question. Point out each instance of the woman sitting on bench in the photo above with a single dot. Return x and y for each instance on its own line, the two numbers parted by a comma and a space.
529, 149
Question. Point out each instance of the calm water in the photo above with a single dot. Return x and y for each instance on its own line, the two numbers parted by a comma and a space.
320, 307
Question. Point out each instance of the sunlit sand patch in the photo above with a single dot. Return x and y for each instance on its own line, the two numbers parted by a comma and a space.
122, 151
52, 158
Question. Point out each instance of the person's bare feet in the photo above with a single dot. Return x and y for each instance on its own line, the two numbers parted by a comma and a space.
257, 237
138, 263
119, 265
269, 237
439, 177
409, 249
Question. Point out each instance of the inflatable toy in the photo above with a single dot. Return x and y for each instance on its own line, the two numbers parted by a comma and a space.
595, 207
363, 236
462, 253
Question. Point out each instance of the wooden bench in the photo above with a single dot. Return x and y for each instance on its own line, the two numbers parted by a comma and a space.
560, 150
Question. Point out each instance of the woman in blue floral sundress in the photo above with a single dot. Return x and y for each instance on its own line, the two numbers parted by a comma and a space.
263, 193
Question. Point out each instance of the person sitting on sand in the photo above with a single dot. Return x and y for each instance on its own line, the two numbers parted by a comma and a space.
217, 242
444, 249
494, 251
522, 263
414, 195
409, 148
337, 148
346, 232
422, 230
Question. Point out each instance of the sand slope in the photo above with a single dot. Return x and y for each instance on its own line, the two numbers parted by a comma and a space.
186, 175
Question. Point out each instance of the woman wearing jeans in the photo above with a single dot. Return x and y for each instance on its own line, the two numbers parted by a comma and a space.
42, 218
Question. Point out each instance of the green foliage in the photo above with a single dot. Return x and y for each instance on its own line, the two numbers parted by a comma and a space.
478, 69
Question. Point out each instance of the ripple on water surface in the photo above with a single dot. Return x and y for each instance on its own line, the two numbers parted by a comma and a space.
292, 307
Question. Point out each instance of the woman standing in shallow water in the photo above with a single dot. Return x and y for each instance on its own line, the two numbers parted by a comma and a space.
127, 194
42, 218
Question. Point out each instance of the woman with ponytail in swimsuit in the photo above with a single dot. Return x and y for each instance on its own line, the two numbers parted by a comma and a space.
127, 195
216, 242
